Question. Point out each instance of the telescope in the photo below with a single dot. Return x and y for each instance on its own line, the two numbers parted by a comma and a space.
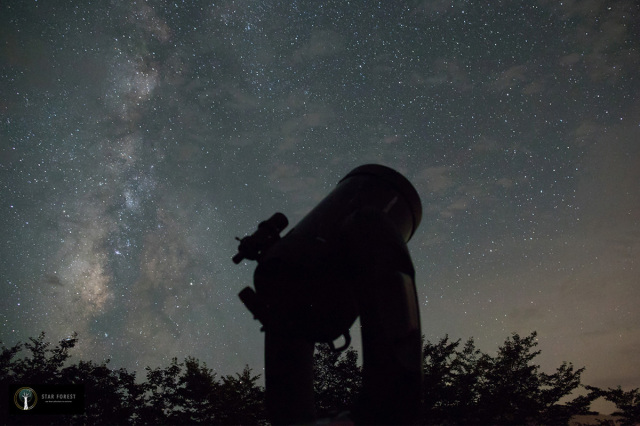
347, 258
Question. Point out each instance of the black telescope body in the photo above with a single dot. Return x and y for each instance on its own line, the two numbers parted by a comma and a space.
369, 186
346, 258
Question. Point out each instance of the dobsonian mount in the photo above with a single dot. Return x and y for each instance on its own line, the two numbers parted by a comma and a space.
347, 258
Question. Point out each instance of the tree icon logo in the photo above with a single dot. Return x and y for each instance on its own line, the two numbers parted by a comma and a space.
25, 398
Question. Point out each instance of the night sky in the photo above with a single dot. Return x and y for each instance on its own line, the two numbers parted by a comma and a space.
138, 138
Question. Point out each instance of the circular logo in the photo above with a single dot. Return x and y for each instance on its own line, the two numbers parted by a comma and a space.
25, 398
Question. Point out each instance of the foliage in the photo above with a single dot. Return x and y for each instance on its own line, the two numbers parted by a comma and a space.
461, 385
337, 380
188, 393
627, 402
181, 393
466, 386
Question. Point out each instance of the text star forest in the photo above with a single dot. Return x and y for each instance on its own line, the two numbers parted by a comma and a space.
461, 385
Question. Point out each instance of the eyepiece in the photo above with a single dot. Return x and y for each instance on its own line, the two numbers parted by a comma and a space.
252, 246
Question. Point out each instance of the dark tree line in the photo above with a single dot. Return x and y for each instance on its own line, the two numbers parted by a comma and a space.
465, 386
461, 385
182, 393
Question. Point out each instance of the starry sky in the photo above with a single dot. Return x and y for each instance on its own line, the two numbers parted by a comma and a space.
138, 138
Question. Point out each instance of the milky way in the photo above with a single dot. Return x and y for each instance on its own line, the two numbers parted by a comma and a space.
138, 139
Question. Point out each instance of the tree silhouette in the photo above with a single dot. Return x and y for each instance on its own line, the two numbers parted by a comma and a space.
188, 393
337, 379
196, 393
181, 393
161, 395
627, 402
468, 387
240, 400
461, 385
111, 396
450, 381
43, 363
